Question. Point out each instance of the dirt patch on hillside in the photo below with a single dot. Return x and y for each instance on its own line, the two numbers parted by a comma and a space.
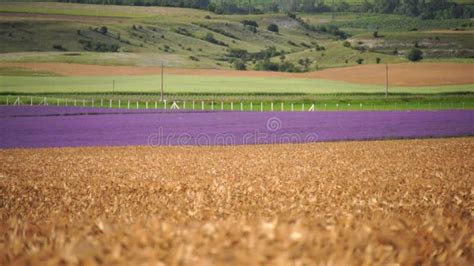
407, 74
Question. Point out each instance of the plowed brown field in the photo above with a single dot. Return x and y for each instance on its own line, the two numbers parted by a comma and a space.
378, 202
407, 74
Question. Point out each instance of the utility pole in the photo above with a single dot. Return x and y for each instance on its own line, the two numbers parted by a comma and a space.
386, 80
249, 6
162, 66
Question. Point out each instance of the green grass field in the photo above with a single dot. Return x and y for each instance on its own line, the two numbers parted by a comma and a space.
206, 85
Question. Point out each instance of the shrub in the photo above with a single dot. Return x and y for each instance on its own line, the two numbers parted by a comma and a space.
249, 23
376, 34
346, 44
103, 30
292, 43
360, 61
210, 38
193, 58
378, 60
291, 15
207, 17
273, 27
239, 65
59, 47
415, 55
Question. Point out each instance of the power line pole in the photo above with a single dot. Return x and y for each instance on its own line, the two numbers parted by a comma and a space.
162, 66
386, 80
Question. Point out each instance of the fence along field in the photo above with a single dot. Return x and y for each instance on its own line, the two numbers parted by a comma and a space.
277, 106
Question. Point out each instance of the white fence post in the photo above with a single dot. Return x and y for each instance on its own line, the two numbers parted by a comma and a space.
232, 106
7, 100
137, 104
31, 101
128, 104
164, 101
120, 103
282, 107
292, 107
110, 103
251, 106
83, 102
302, 107
156, 105
212, 106
184, 104
271, 106
193, 106
146, 104
101, 102
261, 107
222, 106
241, 106
202, 105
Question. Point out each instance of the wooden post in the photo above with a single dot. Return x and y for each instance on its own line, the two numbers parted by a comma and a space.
386, 80
162, 74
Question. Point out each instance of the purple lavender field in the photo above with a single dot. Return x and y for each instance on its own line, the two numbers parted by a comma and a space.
37, 126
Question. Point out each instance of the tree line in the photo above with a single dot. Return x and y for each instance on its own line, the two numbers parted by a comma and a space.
426, 9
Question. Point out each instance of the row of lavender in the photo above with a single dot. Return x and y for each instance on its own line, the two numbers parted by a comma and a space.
227, 105
37, 126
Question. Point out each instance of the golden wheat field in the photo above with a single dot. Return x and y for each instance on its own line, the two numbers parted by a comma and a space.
357, 203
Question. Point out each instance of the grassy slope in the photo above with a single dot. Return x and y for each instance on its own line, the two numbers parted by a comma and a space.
35, 38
